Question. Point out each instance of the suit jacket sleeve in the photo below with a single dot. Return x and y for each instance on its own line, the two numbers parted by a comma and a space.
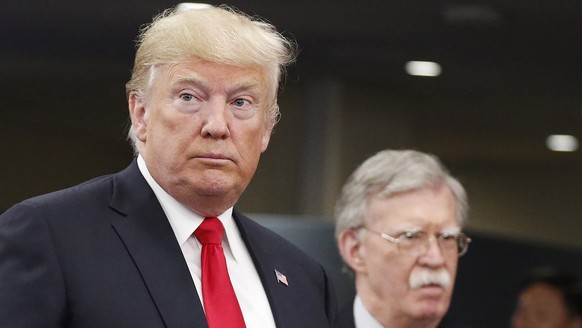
345, 316
31, 283
100, 254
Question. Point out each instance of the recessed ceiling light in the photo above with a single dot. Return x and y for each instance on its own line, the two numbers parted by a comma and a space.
561, 142
423, 68
185, 6
472, 15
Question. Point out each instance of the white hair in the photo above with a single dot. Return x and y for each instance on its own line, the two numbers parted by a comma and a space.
391, 172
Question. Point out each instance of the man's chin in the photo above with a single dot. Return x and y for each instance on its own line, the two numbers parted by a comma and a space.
212, 183
213, 190
431, 308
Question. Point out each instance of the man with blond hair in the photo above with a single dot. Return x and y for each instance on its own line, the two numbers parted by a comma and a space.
160, 244
398, 228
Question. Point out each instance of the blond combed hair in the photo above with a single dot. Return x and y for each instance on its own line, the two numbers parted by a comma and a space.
220, 35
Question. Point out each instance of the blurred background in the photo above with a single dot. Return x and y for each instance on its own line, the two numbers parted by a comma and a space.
510, 77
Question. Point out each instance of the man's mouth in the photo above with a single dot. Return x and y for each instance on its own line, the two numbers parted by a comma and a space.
213, 157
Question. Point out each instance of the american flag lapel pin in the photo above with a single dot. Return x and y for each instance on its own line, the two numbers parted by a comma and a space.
281, 278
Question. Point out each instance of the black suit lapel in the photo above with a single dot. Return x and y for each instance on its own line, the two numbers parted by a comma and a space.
267, 260
150, 241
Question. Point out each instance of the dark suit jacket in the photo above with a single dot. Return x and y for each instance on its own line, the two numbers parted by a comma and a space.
345, 316
103, 254
345, 319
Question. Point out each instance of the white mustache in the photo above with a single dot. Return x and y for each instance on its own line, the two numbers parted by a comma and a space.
423, 277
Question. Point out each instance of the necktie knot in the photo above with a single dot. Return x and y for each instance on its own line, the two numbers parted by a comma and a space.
210, 231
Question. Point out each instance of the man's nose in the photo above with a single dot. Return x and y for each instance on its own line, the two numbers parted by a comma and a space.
433, 255
215, 119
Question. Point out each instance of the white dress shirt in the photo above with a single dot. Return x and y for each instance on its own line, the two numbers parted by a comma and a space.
243, 274
362, 317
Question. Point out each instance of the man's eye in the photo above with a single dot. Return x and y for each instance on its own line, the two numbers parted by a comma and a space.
448, 237
186, 97
411, 235
240, 102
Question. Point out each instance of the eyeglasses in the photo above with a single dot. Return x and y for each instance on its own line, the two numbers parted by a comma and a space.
418, 242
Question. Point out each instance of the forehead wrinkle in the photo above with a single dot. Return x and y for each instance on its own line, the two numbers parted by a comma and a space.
405, 224
412, 225
251, 86
451, 230
192, 78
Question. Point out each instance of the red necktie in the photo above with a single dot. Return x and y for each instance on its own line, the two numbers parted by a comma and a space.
220, 303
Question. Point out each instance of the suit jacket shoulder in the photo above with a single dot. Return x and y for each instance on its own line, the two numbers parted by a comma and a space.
307, 297
100, 254
345, 317
103, 254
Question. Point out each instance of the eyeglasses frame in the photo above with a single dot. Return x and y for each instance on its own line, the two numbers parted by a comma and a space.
396, 240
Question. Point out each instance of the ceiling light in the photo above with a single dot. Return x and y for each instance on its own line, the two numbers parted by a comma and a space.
185, 6
562, 142
472, 15
423, 68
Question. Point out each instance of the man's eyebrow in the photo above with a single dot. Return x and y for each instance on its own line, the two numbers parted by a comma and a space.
192, 79
244, 86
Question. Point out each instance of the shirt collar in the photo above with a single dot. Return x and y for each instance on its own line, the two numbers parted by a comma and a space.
185, 221
362, 317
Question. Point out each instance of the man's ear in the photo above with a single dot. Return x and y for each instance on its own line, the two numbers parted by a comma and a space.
350, 248
138, 115
266, 138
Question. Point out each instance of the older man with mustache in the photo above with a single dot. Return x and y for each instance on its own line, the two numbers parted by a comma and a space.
399, 221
